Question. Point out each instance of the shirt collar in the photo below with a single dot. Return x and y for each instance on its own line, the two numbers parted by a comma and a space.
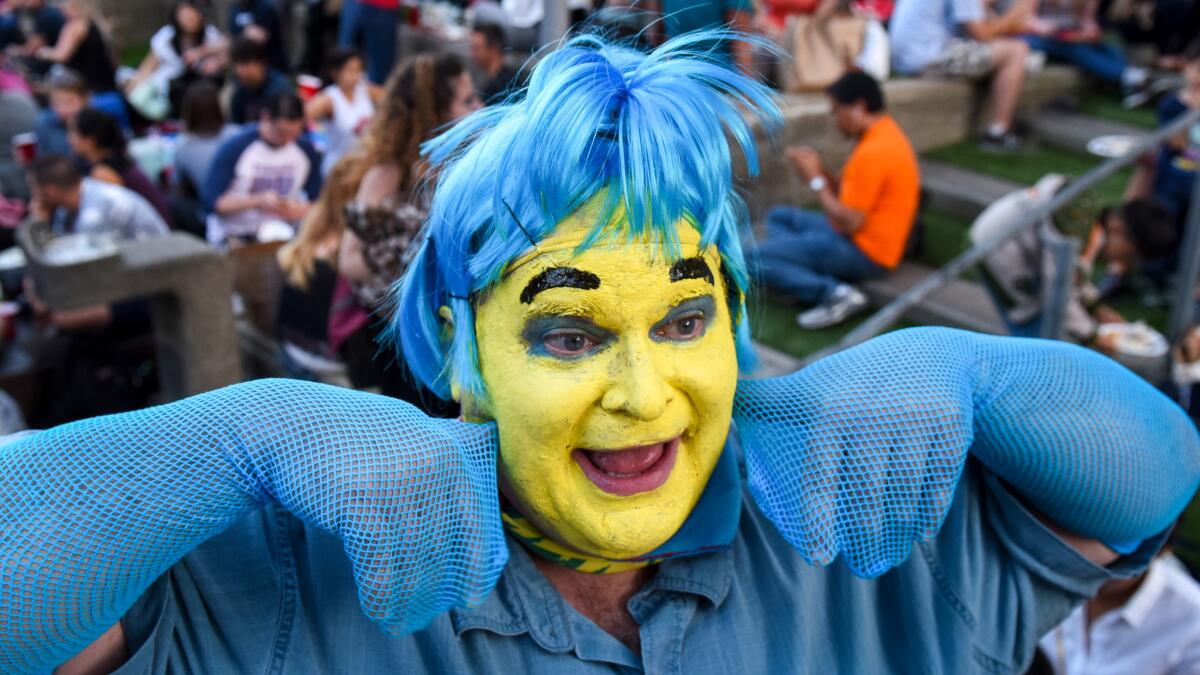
522, 602
525, 602
708, 576
1146, 596
880, 122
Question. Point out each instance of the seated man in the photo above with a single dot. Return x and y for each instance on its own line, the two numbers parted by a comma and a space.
864, 223
266, 172
254, 81
73, 203
931, 499
957, 38
106, 365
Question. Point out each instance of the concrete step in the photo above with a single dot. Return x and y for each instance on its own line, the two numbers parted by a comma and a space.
1072, 131
961, 192
959, 304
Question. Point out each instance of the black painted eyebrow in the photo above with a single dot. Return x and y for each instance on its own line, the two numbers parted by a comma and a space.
692, 268
559, 277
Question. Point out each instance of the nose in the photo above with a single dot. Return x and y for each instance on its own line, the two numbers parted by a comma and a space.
638, 388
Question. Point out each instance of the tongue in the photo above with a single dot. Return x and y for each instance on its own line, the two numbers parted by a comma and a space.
631, 461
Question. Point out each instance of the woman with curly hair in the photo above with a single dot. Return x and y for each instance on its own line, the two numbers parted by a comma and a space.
370, 213
422, 96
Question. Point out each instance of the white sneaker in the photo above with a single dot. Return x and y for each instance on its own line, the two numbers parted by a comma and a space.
844, 302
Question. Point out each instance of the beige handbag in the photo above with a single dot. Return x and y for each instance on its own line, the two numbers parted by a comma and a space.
824, 48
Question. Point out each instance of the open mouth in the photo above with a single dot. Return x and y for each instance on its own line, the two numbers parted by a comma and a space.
630, 471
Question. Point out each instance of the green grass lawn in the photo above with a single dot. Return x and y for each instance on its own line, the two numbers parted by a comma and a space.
1108, 107
773, 320
945, 237
1031, 163
1132, 308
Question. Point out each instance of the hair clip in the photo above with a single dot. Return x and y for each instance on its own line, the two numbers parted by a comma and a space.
511, 212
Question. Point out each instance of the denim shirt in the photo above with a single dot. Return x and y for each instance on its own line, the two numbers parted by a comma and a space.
273, 595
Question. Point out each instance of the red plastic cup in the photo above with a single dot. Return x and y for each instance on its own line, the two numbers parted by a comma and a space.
25, 148
308, 86
8, 320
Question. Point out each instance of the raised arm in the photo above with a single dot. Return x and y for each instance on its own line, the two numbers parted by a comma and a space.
94, 511
860, 453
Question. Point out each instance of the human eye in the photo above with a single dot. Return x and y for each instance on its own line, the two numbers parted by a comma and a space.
682, 329
565, 337
568, 343
686, 322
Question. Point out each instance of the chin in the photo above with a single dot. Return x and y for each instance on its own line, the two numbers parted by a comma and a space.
631, 529
627, 535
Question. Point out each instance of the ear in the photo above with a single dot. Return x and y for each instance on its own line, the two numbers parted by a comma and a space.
447, 317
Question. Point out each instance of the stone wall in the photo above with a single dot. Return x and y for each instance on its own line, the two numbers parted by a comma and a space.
932, 112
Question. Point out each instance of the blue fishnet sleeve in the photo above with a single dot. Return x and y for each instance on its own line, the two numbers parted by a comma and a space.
92, 512
860, 454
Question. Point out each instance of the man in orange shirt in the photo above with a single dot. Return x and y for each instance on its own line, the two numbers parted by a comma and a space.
863, 226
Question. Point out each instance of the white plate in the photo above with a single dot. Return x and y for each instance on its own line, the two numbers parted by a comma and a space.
1136, 339
1112, 145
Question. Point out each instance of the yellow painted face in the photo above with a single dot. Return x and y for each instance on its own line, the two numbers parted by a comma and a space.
611, 376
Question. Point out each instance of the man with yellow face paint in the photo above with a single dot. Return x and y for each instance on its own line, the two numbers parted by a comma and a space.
618, 500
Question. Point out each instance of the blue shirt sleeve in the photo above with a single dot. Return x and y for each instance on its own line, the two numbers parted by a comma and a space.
224, 165
210, 614
1006, 575
966, 11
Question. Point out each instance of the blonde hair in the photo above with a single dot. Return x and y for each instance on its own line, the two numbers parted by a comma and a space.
324, 221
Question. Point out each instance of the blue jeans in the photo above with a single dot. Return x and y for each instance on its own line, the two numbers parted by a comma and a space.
377, 29
803, 256
1101, 59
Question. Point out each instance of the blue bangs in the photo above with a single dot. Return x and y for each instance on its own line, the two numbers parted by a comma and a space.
649, 133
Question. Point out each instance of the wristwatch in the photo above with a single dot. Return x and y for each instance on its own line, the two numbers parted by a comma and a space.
817, 184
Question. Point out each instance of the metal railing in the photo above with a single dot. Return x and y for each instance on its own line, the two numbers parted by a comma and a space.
1064, 250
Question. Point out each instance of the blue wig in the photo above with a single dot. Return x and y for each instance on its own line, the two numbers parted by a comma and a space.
646, 132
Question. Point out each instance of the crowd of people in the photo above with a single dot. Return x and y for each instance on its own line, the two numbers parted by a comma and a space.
316, 151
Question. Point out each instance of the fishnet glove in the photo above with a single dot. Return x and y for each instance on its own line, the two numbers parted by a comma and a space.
92, 512
860, 453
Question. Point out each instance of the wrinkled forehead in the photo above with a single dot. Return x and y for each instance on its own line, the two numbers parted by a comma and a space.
576, 239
